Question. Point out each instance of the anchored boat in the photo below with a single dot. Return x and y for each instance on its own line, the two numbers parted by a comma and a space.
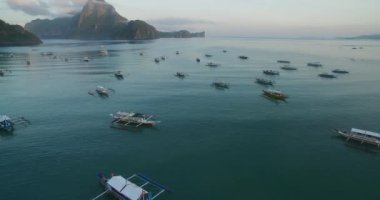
220, 85
243, 57
340, 71
119, 75
275, 94
180, 75
283, 61
131, 119
7, 124
271, 72
135, 187
362, 136
326, 75
264, 81
314, 64
289, 68
211, 64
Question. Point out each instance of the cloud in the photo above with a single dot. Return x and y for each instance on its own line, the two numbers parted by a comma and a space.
52, 8
179, 21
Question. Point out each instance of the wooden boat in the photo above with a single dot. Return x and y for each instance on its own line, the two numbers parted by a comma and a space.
135, 187
180, 75
326, 75
220, 85
362, 136
339, 71
131, 119
314, 64
211, 64
275, 94
119, 75
289, 68
283, 61
271, 72
243, 57
264, 81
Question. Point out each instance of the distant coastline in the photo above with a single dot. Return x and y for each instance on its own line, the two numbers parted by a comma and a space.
363, 37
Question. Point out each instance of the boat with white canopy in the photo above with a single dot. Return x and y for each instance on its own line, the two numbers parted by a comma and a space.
362, 136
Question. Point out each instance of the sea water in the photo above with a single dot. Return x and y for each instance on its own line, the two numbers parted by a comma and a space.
210, 144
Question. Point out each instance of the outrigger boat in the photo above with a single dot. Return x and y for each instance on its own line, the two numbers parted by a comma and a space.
271, 72
362, 136
103, 51
125, 119
339, 71
180, 75
243, 57
157, 60
264, 81
134, 187
314, 64
220, 85
198, 60
289, 68
211, 64
7, 124
1, 73
326, 75
119, 75
275, 94
283, 61
101, 91
208, 55
86, 59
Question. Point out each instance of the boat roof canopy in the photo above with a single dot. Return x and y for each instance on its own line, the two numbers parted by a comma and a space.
373, 134
126, 188
4, 118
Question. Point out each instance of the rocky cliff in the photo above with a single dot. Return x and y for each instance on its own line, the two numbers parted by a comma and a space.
15, 35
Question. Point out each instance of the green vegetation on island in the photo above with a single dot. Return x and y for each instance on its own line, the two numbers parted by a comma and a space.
15, 35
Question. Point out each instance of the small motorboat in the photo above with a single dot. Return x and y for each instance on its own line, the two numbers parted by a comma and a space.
271, 72
314, 64
198, 60
102, 91
283, 61
275, 94
131, 119
211, 64
208, 55
119, 75
243, 57
289, 68
180, 75
340, 71
326, 75
220, 85
264, 81
86, 59
135, 187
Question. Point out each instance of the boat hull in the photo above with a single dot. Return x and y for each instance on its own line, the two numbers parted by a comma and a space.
360, 138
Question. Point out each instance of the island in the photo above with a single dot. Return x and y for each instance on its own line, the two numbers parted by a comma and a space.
15, 35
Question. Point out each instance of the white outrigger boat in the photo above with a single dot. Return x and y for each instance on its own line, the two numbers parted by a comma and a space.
134, 187
7, 124
125, 119
362, 136
103, 51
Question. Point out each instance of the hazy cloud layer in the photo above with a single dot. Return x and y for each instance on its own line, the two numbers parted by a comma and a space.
54, 8
172, 23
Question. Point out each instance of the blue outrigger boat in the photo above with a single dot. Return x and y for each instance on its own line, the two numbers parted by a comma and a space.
131, 188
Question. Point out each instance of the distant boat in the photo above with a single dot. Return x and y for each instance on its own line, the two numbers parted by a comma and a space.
135, 187
243, 57
289, 68
180, 75
6, 124
283, 61
224, 51
314, 64
264, 81
163, 58
208, 55
66, 60
339, 71
326, 75
141, 54
119, 75
220, 85
271, 72
86, 59
157, 60
275, 94
103, 51
211, 64
1, 73
361, 136
123, 119
28, 62
198, 60
102, 91
177, 52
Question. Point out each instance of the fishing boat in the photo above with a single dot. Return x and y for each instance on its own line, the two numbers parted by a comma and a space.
271, 72
131, 119
157, 60
7, 124
340, 71
85, 59
180, 75
119, 75
275, 94
102, 91
283, 61
243, 57
220, 85
198, 60
208, 55
103, 51
135, 187
264, 81
314, 64
289, 68
211, 64
362, 136
326, 75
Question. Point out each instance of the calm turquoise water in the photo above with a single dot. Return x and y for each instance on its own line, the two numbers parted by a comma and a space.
211, 144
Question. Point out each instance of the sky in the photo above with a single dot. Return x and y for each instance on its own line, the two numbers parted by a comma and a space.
236, 18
